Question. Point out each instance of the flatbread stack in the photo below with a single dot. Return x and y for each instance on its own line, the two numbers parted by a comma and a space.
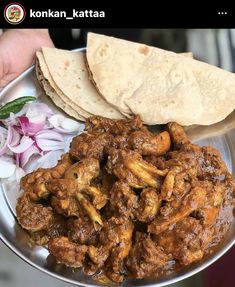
64, 78
116, 78
159, 85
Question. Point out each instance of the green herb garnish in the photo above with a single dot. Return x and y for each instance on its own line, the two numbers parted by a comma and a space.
14, 106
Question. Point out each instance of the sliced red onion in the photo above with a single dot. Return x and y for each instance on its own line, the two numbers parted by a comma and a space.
8, 158
63, 124
19, 173
25, 156
44, 108
49, 140
49, 134
24, 123
35, 110
30, 128
5, 139
37, 118
48, 145
35, 143
7, 169
67, 141
12, 119
15, 137
50, 159
24, 144
17, 158
13, 178
18, 129
70, 125
3, 136
35, 136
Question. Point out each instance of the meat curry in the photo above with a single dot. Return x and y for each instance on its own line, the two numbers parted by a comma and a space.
125, 202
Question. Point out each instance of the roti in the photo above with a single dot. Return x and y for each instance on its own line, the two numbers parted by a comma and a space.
113, 66
69, 73
53, 92
159, 85
106, 63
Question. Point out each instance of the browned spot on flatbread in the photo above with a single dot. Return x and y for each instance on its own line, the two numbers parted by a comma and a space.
103, 51
77, 86
144, 50
66, 65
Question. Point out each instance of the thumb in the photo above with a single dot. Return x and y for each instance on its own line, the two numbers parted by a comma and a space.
5, 76
5, 79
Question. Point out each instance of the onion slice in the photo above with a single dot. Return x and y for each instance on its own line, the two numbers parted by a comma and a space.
3, 136
19, 173
36, 109
7, 169
63, 124
25, 156
6, 137
48, 140
49, 134
15, 137
30, 128
48, 145
24, 144
50, 159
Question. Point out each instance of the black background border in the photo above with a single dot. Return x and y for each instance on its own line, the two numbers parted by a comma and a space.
128, 14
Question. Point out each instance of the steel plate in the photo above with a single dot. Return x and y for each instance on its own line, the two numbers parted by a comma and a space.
220, 136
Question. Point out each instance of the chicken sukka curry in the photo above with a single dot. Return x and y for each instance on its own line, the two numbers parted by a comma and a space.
125, 202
